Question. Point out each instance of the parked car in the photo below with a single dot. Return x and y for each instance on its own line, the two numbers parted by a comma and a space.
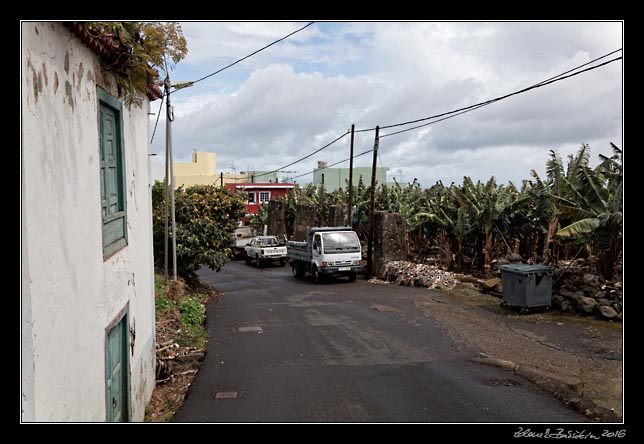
265, 249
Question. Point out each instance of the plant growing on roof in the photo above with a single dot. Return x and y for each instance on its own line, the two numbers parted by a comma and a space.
138, 52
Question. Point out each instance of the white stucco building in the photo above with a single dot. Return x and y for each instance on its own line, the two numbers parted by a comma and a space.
87, 272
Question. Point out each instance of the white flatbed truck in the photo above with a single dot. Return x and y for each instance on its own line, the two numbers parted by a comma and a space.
328, 251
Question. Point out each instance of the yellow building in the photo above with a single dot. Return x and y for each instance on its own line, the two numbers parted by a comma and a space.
201, 171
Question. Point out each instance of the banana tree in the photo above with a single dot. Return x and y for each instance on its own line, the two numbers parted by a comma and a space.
486, 204
594, 205
544, 195
438, 208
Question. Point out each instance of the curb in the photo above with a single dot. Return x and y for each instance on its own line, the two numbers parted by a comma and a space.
568, 392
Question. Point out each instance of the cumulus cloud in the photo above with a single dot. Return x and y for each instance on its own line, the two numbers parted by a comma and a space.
306, 91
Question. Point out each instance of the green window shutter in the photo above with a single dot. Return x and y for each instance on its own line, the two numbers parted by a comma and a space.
112, 173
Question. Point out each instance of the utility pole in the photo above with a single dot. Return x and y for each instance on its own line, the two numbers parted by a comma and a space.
165, 191
170, 170
222, 178
350, 224
373, 203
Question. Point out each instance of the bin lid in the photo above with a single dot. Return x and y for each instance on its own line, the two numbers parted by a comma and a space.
526, 268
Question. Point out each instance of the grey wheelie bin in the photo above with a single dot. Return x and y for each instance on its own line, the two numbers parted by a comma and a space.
527, 285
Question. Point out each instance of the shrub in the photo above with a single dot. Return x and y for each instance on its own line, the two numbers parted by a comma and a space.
192, 311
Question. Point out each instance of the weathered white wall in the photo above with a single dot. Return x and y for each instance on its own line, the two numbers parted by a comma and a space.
72, 294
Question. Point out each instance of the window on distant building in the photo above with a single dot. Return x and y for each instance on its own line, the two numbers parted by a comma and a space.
112, 174
264, 196
251, 197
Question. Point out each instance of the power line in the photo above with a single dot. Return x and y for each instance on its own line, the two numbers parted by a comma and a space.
226, 67
305, 157
454, 113
157, 122
457, 112
332, 165
251, 54
490, 101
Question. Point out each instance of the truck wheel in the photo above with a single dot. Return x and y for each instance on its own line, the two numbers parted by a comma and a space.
352, 277
257, 261
282, 262
298, 272
316, 276
246, 259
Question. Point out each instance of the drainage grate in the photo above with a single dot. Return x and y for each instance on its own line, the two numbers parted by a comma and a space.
226, 395
255, 328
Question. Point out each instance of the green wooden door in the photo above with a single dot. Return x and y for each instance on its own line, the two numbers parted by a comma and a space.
117, 373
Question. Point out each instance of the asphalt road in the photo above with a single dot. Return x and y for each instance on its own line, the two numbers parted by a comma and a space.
287, 350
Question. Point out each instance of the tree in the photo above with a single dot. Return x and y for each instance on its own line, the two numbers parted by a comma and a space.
205, 216
440, 209
486, 205
260, 218
593, 204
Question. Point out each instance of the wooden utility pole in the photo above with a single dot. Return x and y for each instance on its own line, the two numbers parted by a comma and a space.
373, 203
350, 221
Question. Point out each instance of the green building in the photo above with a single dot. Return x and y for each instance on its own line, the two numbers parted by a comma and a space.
263, 177
334, 178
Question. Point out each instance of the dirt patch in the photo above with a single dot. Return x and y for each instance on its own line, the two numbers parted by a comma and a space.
579, 360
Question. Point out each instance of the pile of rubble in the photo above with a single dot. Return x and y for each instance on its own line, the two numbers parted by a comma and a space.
576, 289
418, 275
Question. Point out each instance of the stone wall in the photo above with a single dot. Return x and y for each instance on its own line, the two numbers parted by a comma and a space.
276, 219
304, 217
576, 289
389, 240
338, 216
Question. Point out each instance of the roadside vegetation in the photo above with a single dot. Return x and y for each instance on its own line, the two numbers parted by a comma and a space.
181, 339
575, 211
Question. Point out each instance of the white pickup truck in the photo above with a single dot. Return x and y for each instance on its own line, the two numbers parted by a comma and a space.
264, 249
329, 251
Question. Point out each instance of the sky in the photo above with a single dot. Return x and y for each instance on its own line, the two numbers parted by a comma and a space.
302, 93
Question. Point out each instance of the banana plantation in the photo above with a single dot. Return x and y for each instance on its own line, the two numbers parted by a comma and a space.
575, 211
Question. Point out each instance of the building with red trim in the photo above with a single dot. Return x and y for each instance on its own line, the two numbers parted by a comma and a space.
259, 194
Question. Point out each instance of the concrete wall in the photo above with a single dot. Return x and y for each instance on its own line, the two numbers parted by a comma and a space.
70, 294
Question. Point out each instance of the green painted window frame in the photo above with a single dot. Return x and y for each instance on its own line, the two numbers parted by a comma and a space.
110, 247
